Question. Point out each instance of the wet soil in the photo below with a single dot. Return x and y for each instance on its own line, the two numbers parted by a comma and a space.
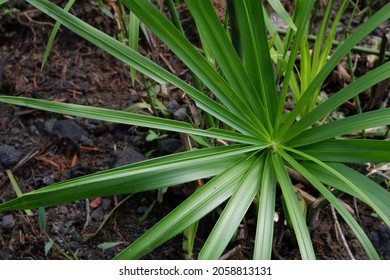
42, 148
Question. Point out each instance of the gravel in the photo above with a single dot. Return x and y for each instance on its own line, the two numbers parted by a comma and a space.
9, 156
7, 221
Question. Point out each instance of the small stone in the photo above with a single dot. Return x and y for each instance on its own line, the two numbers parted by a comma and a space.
173, 106
49, 124
180, 114
127, 157
9, 156
67, 128
7, 221
5, 256
90, 100
76, 236
142, 210
74, 245
47, 180
97, 214
381, 240
55, 229
33, 130
63, 210
168, 145
106, 204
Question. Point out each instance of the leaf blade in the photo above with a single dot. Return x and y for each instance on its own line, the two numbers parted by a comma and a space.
125, 118
200, 203
144, 176
356, 150
294, 209
233, 212
265, 216
360, 234
342, 127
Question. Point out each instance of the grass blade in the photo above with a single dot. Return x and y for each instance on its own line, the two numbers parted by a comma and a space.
367, 27
53, 34
234, 211
371, 78
144, 65
227, 58
144, 176
279, 9
257, 60
203, 201
354, 151
360, 234
342, 127
126, 118
265, 217
301, 18
176, 41
365, 196
17, 189
294, 210
134, 24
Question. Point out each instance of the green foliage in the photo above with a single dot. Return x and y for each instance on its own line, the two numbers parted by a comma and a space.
264, 141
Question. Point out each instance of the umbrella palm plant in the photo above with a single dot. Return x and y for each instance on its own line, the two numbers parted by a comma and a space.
264, 139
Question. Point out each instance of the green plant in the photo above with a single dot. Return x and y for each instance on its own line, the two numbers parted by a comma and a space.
264, 140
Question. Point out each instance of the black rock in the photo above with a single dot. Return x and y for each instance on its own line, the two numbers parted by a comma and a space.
180, 114
7, 221
5, 256
8, 156
381, 241
97, 214
142, 210
173, 106
106, 203
168, 145
74, 245
67, 128
127, 157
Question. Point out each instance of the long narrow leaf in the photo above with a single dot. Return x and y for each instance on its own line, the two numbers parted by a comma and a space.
233, 213
342, 127
379, 196
203, 201
294, 210
265, 217
54, 33
176, 41
360, 234
365, 196
304, 14
257, 58
371, 78
143, 176
279, 9
134, 24
374, 21
354, 151
142, 64
227, 58
126, 118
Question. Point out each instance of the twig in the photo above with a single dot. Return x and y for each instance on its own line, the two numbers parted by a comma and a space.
298, 177
87, 214
232, 252
340, 233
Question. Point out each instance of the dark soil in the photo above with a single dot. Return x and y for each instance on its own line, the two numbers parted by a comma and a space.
43, 148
